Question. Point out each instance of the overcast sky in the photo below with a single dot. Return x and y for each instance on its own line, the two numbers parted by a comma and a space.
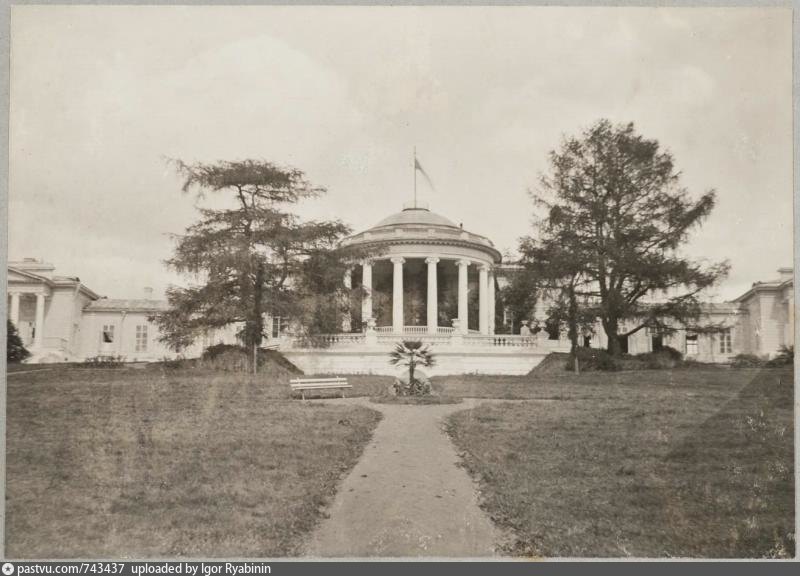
100, 96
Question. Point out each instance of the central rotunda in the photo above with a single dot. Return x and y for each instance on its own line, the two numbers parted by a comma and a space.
429, 276
424, 278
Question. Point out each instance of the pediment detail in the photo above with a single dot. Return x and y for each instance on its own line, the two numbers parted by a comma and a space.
16, 276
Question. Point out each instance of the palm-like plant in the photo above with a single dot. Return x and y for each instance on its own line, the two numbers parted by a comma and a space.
412, 353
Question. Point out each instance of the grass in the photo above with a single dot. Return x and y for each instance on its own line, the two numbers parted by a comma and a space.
150, 461
689, 463
159, 463
273, 382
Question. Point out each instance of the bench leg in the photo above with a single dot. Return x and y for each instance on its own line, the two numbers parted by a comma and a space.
342, 392
303, 394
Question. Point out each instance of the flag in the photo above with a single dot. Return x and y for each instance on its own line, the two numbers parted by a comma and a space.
418, 166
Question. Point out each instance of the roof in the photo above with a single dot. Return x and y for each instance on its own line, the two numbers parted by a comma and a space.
421, 216
720, 308
421, 226
772, 285
126, 305
51, 280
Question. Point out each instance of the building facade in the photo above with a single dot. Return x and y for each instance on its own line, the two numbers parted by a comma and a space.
427, 278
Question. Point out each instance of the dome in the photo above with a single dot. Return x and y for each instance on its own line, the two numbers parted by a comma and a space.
421, 216
418, 226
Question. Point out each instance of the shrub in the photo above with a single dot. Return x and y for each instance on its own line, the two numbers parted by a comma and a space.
412, 353
15, 350
591, 359
785, 357
747, 361
662, 359
419, 386
104, 362
676, 355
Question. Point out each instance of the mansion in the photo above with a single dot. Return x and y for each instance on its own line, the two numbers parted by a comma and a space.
432, 280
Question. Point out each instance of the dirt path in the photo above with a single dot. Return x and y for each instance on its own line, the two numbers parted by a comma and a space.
406, 496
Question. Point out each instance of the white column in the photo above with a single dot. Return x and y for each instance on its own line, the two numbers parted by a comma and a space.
348, 285
14, 312
366, 285
397, 295
492, 304
463, 286
39, 330
433, 304
483, 299
120, 338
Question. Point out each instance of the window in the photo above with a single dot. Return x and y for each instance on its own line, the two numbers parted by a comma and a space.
656, 339
725, 342
658, 342
587, 341
623, 344
141, 338
553, 329
276, 326
691, 344
107, 335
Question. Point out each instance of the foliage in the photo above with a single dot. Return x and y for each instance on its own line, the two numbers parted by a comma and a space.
594, 359
253, 256
518, 297
15, 350
591, 359
105, 362
666, 358
785, 356
746, 361
616, 216
412, 353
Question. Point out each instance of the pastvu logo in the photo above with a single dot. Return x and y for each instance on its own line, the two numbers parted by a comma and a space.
8, 568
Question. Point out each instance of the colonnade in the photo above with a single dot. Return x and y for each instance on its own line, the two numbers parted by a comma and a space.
486, 294
38, 332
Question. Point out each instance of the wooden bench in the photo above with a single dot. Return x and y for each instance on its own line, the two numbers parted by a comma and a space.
303, 384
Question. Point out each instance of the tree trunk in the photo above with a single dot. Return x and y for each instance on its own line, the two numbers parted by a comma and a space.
572, 320
257, 320
611, 326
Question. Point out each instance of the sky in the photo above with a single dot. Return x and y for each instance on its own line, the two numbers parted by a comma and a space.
102, 97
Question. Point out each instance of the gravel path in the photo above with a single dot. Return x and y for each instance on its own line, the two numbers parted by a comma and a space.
406, 497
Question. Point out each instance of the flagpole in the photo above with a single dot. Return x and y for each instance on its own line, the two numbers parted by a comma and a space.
415, 176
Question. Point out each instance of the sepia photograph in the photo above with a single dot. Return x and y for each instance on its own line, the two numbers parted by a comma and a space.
400, 282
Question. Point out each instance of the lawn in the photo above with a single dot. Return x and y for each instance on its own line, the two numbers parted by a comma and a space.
163, 463
688, 463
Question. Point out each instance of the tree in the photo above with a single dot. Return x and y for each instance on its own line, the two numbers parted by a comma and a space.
15, 350
251, 256
614, 205
559, 278
412, 353
518, 297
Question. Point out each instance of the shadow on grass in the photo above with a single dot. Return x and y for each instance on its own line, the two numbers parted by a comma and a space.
732, 479
669, 465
